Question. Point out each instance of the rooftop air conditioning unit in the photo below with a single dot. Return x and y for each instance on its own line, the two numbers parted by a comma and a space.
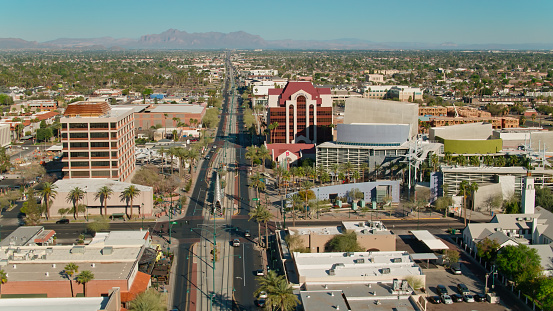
350, 254
361, 260
397, 260
386, 271
331, 272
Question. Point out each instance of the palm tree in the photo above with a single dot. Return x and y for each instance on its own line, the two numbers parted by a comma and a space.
335, 168
306, 187
296, 202
3, 279
279, 172
256, 181
48, 192
464, 190
69, 270
310, 173
251, 154
129, 194
435, 160
104, 193
162, 151
280, 294
348, 167
364, 168
448, 157
474, 161
260, 214
85, 277
263, 154
182, 155
488, 160
355, 175
472, 188
74, 196
499, 161
461, 160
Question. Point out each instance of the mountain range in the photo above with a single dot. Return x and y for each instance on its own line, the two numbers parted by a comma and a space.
181, 40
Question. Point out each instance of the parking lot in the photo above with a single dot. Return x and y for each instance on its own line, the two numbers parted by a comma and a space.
439, 275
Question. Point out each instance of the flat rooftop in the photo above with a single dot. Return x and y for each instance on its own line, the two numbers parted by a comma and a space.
33, 271
54, 304
355, 264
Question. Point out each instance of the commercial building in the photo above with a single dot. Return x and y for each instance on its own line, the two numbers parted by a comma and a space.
5, 135
29, 236
113, 259
142, 204
371, 235
356, 267
398, 92
303, 113
168, 115
98, 141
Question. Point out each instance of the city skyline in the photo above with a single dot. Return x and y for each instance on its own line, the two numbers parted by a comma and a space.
472, 22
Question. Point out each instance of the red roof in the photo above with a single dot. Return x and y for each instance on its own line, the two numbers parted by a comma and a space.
293, 148
293, 87
47, 115
44, 236
139, 285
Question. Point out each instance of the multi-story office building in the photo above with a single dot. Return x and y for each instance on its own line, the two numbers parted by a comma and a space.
303, 113
98, 141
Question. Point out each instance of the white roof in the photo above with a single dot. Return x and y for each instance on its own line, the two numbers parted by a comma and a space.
54, 304
94, 184
429, 239
172, 108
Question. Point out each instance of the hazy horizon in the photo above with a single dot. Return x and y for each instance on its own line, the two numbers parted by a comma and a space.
437, 22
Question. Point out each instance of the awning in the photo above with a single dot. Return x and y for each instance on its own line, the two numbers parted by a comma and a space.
44, 236
55, 148
424, 256
429, 239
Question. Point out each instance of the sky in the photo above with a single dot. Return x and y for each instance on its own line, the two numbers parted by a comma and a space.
428, 21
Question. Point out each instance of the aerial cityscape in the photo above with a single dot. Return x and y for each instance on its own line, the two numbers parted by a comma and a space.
200, 158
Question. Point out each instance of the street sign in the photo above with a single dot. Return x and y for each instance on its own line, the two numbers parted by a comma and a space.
173, 222
255, 199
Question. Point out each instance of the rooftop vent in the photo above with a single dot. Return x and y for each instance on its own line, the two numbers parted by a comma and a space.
385, 270
108, 250
397, 260
47, 274
53, 265
49, 250
350, 254
360, 260
331, 272
497, 229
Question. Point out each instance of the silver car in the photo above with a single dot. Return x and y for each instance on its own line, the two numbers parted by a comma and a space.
446, 299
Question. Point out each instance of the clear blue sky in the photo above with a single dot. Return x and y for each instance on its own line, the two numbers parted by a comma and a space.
430, 21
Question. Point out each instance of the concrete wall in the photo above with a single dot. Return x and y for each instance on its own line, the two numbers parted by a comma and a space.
365, 110
62, 288
462, 131
115, 205
5, 135
484, 194
373, 133
368, 188
370, 242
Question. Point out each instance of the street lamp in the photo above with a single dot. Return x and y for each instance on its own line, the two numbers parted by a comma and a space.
142, 212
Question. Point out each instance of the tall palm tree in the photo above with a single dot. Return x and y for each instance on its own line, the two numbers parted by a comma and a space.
74, 196
263, 154
300, 172
85, 277
260, 214
348, 167
364, 168
464, 189
256, 181
279, 172
355, 175
103, 194
129, 194
48, 192
435, 160
251, 154
192, 156
448, 157
335, 168
182, 155
488, 160
472, 188
306, 186
163, 152
70, 270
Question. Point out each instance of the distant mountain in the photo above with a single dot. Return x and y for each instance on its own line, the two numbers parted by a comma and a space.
176, 39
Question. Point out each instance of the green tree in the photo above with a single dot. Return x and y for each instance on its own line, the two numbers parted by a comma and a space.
541, 289
48, 192
3, 279
280, 295
85, 277
31, 209
257, 182
149, 300
263, 154
464, 190
345, 242
104, 194
451, 256
74, 196
98, 224
306, 193
5, 163
519, 263
487, 249
128, 195
544, 198
251, 154
70, 270
261, 214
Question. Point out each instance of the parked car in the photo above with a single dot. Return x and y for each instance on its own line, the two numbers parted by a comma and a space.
463, 289
456, 298
468, 297
480, 298
259, 272
434, 299
247, 233
235, 242
456, 268
442, 290
262, 294
63, 221
260, 303
446, 299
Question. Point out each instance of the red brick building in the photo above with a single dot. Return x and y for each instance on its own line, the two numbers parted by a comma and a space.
303, 113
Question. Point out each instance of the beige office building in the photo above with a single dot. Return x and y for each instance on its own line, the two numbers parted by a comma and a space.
98, 141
